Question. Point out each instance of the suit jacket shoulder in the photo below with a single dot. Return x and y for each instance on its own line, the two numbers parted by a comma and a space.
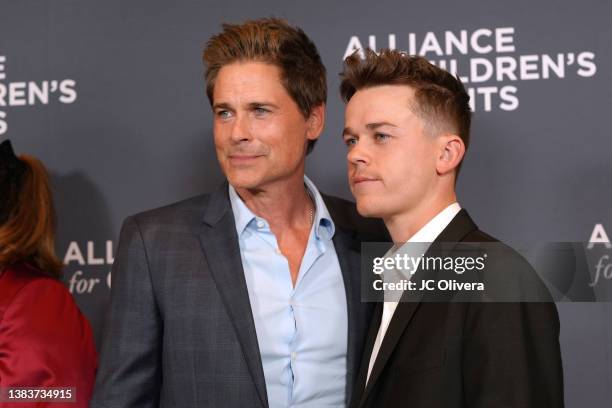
345, 216
185, 212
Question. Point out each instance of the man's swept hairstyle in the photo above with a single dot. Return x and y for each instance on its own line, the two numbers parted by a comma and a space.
273, 41
440, 98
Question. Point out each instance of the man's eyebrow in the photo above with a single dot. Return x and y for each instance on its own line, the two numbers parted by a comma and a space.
371, 126
376, 125
348, 132
222, 105
261, 104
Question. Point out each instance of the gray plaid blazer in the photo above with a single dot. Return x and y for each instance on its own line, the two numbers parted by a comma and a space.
179, 330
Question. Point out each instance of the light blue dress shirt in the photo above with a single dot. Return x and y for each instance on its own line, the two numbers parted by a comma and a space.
302, 331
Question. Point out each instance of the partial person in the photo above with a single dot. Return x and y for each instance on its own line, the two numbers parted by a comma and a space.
407, 128
45, 341
248, 296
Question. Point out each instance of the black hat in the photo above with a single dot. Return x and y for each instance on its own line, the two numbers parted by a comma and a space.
11, 175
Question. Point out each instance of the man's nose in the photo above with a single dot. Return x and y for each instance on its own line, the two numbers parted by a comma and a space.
358, 154
240, 131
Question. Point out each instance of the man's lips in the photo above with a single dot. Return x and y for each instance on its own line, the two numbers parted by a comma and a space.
243, 157
363, 179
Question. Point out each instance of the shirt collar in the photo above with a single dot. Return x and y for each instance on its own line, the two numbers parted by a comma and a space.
324, 226
427, 234
430, 231
242, 214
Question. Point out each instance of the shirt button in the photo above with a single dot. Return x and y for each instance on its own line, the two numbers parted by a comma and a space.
293, 355
260, 224
278, 251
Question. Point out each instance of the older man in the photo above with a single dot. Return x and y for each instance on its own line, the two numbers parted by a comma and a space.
248, 296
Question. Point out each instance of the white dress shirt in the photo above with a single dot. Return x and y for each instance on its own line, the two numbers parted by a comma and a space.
428, 233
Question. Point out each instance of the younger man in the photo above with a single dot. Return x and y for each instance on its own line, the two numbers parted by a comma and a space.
407, 131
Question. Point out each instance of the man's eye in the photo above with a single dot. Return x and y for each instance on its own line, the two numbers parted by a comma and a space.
224, 114
381, 137
260, 111
350, 141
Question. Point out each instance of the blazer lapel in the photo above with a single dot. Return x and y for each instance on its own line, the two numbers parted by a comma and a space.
360, 383
219, 242
348, 251
458, 228
401, 317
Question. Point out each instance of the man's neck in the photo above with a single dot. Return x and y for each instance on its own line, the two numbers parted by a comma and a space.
284, 204
404, 225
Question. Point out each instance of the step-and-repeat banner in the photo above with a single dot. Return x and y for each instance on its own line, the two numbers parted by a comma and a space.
110, 96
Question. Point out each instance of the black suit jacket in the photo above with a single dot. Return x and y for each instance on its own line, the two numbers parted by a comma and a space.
180, 331
476, 355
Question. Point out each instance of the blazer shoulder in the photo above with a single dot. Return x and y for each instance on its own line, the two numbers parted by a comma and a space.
513, 272
185, 212
344, 214
504, 252
480, 236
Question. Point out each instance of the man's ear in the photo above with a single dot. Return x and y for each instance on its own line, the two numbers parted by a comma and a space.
316, 122
451, 152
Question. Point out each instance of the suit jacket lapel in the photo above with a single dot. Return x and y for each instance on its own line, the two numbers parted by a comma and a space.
458, 228
401, 317
219, 242
360, 383
348, 251
351, 230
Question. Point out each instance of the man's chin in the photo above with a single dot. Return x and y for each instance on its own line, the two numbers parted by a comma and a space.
245, 182
368, 209
247, 178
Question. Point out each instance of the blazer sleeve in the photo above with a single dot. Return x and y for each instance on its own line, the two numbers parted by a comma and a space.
45, 341
130, 361
512, 357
